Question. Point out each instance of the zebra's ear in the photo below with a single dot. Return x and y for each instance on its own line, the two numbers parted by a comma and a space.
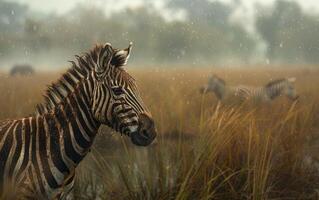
103, 59
292, 79
120, 57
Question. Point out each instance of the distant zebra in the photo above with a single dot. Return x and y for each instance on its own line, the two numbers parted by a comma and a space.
269, 92
22, 70
39, 154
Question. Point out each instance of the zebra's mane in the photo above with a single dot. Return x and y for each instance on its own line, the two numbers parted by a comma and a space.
69, 81
275, 82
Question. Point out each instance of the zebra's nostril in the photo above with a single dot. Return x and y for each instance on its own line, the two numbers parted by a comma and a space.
145, 134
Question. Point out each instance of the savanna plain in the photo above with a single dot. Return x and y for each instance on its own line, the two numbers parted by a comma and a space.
205, 149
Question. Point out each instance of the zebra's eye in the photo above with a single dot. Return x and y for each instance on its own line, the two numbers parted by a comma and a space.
118, 91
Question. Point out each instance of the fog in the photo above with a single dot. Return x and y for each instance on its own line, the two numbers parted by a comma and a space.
192, 33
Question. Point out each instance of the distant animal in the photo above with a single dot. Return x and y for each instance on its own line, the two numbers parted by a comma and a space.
23, 69
268, 92
39, 154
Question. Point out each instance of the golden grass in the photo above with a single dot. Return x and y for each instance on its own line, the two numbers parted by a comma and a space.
205, 150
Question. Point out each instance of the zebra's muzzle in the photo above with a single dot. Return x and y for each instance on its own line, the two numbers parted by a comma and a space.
146, 132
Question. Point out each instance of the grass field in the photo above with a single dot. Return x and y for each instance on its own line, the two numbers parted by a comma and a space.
205, 150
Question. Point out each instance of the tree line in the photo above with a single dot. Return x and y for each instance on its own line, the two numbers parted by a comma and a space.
206, 35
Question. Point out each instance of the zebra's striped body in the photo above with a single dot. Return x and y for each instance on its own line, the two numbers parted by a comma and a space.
39, 154
248, 92
259, 94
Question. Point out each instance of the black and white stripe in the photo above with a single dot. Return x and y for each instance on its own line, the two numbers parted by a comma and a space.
269, 92
39, 154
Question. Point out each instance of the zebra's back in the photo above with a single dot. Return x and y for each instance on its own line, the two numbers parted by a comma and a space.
249, 93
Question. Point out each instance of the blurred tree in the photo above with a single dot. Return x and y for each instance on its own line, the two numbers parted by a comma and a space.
205, 12
215, 37
205, 36
12, 17
35, 37
291, 35
142, 26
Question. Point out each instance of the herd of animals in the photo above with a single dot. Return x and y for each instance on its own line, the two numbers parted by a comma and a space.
265, 93
39, 154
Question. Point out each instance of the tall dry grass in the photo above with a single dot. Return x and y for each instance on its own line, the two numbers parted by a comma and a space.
205, 149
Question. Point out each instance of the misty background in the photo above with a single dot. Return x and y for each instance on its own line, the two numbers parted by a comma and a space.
164, 32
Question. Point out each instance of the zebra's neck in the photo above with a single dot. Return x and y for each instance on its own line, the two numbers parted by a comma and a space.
67, 113
275, 90
63, 137
220, 91
71, 130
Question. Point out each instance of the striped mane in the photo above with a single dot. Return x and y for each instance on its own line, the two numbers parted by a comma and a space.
274, 82
81, 69
69, 81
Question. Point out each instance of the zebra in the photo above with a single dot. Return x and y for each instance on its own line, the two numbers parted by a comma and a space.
39, 154
266, 93
23, 69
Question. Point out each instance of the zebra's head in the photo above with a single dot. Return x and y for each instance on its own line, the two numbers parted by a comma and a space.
282, 87
290, 89
116, 99
216, 85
